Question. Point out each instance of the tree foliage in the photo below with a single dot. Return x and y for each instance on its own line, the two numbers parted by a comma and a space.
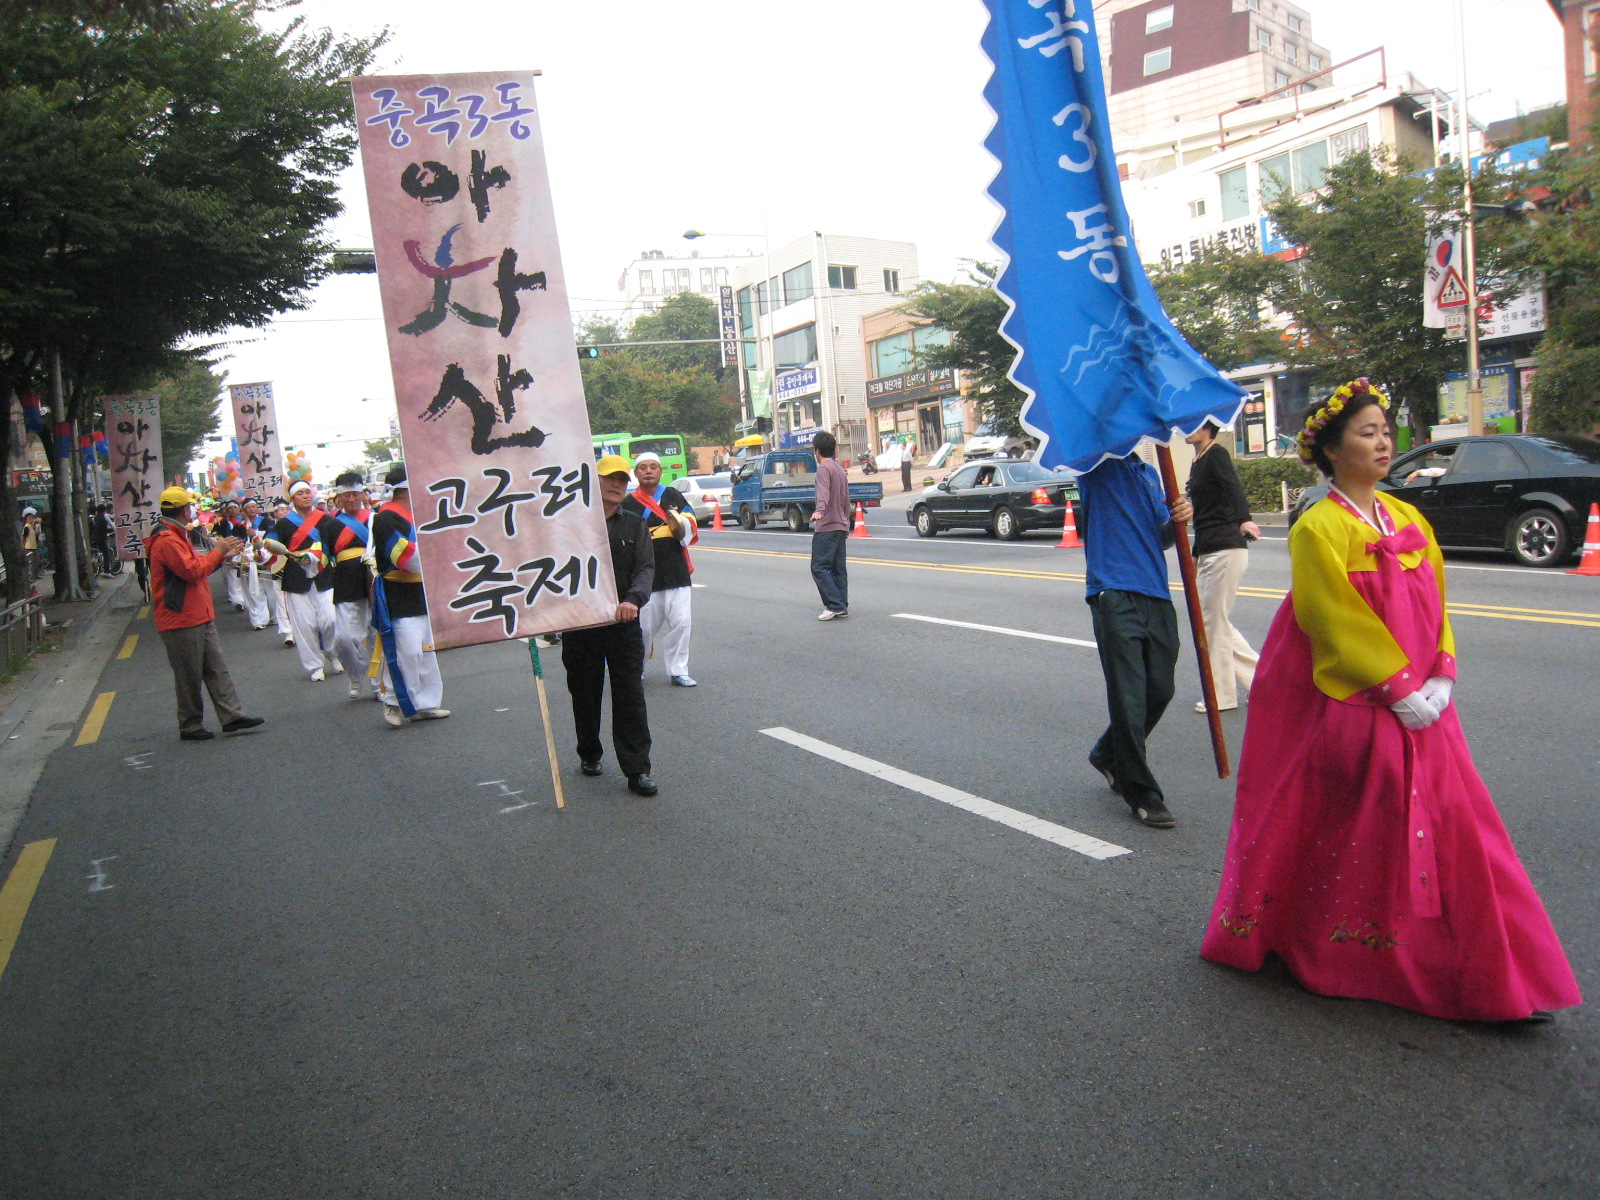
1216, 302
189, 412
971, 313
661, 389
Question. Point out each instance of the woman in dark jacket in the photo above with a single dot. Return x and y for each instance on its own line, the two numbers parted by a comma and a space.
1223, 532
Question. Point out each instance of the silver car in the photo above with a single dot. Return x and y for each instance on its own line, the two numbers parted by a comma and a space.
699, 490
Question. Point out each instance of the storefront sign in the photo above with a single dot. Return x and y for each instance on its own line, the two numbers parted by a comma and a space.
133, 432
911, 385
795, 438
730, 328
492, 415
255, 427
791, 385
1237, 238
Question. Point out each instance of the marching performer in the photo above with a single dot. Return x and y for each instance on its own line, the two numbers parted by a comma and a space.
229, 525
352, 628
665, 621
411, 686
304, 534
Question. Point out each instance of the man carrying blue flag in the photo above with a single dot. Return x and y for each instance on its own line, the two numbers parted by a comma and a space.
1127, 527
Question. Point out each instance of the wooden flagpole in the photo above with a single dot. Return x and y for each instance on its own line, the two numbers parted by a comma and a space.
1197, 621
544, 712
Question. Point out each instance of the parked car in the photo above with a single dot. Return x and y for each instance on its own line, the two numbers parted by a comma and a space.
988, 440
699, 490
1526, 494
1002, 497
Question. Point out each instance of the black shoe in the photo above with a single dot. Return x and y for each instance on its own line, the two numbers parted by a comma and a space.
642, 785
591, 768
238, 608
240, 724
198, 735
1154, 814
1111, 780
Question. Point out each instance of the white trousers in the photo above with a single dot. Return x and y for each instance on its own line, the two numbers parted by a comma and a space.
1233, 663
311, 614
419, 667
665, 624
235, 585
279, 604
257, 606
352, 637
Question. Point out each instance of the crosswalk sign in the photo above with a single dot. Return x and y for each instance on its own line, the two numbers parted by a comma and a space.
1453, 291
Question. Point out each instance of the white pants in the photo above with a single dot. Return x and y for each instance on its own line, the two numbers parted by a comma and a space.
277, 601
352, 637
235, 585
311, 614
665, 623
257, 605
419, 667
1233, 663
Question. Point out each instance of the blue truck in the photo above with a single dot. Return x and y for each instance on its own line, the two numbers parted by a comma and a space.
782, 485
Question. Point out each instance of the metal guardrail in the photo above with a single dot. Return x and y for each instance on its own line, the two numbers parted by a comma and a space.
21, 631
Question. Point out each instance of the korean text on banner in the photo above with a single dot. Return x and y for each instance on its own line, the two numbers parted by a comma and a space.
1100, 362
255, 428
492, 418
133, 429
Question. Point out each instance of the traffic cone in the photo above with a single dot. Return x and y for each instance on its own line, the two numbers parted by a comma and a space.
861, 522
1069, 532
1590, 564
716, 516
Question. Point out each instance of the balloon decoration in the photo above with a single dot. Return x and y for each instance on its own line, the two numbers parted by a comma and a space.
227, 483
297, 468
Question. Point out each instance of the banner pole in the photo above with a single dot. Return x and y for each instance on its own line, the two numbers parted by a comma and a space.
544, 713
1197, 621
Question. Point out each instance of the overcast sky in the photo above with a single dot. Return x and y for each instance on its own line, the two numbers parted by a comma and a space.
848, 116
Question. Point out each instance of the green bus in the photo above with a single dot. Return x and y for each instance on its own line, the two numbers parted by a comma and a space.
669, 447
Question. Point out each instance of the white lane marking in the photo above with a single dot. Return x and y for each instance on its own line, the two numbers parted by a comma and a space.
1060, 835
137, 761
1022, 633
507, 794
697, 585
97, 881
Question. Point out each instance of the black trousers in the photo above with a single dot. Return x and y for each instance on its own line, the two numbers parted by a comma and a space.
1138, 640
587, 654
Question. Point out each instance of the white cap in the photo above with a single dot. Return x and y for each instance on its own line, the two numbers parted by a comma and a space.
647, 456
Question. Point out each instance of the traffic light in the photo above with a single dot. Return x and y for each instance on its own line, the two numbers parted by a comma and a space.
588, 351
763, 424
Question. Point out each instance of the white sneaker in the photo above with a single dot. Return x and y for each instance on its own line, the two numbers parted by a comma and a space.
431, 714
355, 689
317, 676
393, 715
829, 614
288, 639
336, 667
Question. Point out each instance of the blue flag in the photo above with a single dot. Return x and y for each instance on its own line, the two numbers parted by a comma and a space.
1101, 364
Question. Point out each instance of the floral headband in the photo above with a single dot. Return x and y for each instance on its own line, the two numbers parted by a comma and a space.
1331, 408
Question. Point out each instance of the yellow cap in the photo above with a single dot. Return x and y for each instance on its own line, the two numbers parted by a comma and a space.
613, 464
176, 497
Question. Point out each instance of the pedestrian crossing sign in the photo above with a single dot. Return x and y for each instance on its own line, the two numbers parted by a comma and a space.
1453, 291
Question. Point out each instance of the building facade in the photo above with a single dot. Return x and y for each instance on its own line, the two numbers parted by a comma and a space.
800, 311
1168, 62
1580, 30
655, 277
907, 401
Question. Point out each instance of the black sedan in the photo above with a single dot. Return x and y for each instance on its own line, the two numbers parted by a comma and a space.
1004, 498
1527, 494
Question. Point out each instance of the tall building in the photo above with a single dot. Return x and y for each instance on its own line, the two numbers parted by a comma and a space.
1580, 27
1170, 61
655, 277
800, 309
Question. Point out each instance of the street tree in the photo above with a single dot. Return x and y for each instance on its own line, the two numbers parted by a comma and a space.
1218, 303
189, 412
971, 313
672, 388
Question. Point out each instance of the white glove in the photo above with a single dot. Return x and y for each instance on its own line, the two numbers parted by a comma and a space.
1437, 692
1415, 712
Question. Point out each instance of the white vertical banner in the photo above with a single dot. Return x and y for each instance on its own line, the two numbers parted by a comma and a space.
255, 428
493, 423
133, 435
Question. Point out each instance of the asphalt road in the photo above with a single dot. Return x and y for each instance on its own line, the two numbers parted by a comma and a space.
335, 960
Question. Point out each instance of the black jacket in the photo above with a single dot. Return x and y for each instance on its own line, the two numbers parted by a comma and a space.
1219, 503
632, 556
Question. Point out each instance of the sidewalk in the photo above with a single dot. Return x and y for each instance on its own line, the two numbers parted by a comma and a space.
41, 704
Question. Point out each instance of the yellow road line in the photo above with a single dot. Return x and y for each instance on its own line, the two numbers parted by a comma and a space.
144, 611
128, 645
1456, 608
96, 720
17, 894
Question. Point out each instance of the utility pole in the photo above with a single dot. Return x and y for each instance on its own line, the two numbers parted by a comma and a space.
1469, 240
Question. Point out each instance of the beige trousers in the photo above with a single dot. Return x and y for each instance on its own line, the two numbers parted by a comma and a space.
1233, 663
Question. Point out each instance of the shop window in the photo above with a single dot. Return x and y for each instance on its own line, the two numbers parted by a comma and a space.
1158, 61
797, 284
929, 337
795, 348
841, 278
1235, 193
891, 281
1158, 19
892, 355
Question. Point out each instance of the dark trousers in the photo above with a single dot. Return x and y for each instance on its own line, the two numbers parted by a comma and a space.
827, 568
196, 658
905, 475
586, 654
1138, 640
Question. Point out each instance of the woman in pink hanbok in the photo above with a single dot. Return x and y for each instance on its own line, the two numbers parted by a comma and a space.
1365, 850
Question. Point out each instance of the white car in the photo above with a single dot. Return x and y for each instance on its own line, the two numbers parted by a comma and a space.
987, 441
699, 491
